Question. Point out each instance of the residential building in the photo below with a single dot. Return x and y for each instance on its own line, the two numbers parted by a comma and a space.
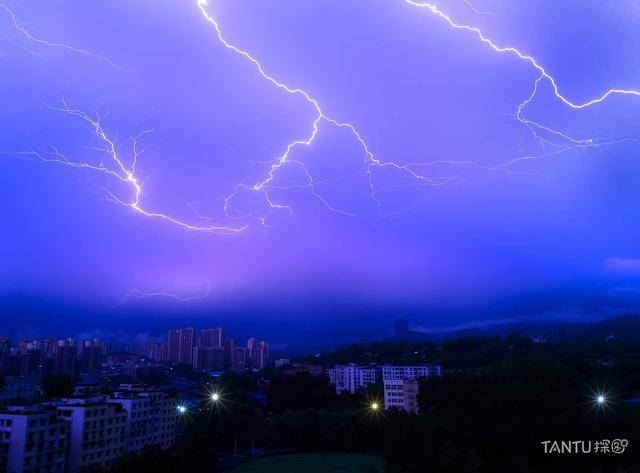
5, 355
281, 362
19, 388
32, 440
91, 356
151, 418
410, 371
212, 337
353, 378
173, 345
258, 354
208, 358
229, 347
239, 360
401, 384
401, 394
97, 432
65, 357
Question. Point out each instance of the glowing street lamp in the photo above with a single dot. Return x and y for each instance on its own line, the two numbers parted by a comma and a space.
601, 399
215, 397
181, 409
374, 406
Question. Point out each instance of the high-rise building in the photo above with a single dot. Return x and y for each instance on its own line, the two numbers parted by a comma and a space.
173, 345
229, 347
97, 432
32, 440
5, 354
65, 357
212, 337
187, 342
259, 354
31, 362
208, 358
239, 360
91, 357
180, 345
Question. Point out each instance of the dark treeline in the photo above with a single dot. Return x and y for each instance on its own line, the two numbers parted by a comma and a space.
485, 419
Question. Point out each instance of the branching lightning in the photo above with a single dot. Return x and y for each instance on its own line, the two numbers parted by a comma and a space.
125, 170
372, 162
114, 166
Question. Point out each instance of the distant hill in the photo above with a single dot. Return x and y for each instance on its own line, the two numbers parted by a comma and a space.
626, 327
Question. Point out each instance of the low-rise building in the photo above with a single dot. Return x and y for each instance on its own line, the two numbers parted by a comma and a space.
401, 394
352, 377
402, 385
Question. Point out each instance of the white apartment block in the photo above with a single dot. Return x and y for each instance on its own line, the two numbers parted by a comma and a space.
151, 418
402, 394
32, 441
353, 378
401, 385
97, 433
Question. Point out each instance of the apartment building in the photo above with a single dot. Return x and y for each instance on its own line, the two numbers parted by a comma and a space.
97, 432
32, 440
151, 418
402, 385
353, 378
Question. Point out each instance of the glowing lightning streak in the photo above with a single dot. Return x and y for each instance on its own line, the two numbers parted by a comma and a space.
525, 57
127, 174
124, 173
370, 159
145, 295
50, 44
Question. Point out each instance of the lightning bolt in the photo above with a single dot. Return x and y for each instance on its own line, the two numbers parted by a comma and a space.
320, 117
115, 167
119, 169
475, 10
138, 294
35, 39
543, 75
372, 162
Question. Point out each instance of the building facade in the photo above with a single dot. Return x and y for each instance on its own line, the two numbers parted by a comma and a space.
402, 385
32, 441
151, 418
353, 378
97, 432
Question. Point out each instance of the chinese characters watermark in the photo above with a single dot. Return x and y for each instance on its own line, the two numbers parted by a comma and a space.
573, 447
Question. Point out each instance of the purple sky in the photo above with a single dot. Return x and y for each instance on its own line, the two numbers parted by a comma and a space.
472, 241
